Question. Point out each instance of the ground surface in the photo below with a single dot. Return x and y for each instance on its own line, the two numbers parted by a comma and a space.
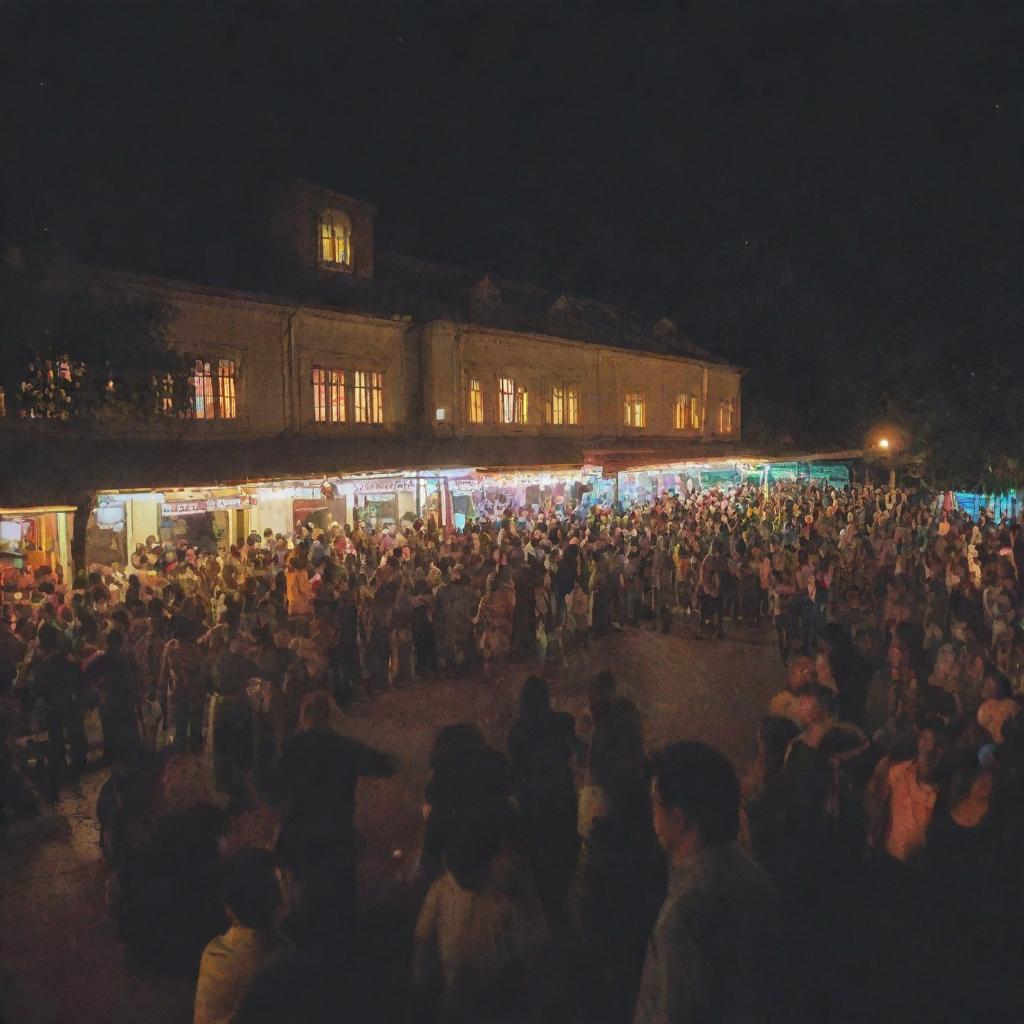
60, 960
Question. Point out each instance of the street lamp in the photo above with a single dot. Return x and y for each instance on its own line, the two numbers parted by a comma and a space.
884, 443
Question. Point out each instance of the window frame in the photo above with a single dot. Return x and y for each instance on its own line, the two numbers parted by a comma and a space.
474, 400
562, 405
506, 400
634, 410
332, 218
330, 398
368, 398
681, 411
219, 402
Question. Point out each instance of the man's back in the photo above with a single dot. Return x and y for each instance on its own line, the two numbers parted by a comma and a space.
320, 769
710, 958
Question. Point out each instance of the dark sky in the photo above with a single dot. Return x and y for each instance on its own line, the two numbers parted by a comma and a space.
791, 181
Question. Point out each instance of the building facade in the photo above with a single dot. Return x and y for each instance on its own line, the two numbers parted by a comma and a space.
338, 366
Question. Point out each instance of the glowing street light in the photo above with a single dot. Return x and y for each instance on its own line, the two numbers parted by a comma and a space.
884, 443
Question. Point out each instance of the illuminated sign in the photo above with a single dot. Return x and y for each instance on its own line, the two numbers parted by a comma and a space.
383, 485
172, 509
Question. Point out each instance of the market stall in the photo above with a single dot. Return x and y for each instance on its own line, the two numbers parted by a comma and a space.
31, 538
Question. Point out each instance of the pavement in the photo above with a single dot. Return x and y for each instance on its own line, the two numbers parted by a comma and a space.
60, 958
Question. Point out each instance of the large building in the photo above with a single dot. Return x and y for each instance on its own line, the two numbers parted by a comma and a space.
324, 381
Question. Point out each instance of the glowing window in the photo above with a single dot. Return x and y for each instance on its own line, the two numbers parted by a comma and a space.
227, 407
695, 412
522, 400
635, 410
368, 394
572, 405
163, 391
562, 408
335, 239
214, 390
513, 401
506, 400
557, 415
476, 401
682, 409
328, 395
725, 407
730, 408
202, 391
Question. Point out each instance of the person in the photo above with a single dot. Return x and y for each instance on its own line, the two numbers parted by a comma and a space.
620, 877
901, 799
232, 722
232, 961
542, 745
480, 933
453, 619
997, 706
800, 672
710, 954
183, 680
494, 616
712, 569
464, 773
765, 794
57, 684
318, 842
115, 675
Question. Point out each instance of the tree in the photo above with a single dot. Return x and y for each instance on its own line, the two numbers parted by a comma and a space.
73, 350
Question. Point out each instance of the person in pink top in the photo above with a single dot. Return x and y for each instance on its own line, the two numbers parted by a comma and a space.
901, 798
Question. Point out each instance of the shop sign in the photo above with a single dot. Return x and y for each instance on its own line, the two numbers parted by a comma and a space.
463, 485
171, 509
384, 485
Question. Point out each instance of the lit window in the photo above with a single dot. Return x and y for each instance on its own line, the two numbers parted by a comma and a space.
725, 416
202, 388
557, 416
562, 409
368, 392
214, 394
522, 399
635, 412
513, 401
506, 400
335, 239
572, 405
695, 412
3, 402
730, 406
682, 409
476, 401
163, 391
226, 388
328, 395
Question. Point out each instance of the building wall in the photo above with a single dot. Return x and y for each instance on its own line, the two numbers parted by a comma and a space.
349, 343
425, 372
454, 354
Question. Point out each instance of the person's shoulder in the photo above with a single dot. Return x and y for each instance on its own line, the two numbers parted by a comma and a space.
216, 949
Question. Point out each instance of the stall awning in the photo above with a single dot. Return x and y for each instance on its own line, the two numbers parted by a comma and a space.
36, 510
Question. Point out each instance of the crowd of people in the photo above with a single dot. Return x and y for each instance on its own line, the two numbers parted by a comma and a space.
866, 863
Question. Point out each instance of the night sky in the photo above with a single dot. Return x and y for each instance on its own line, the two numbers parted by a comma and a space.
800, 185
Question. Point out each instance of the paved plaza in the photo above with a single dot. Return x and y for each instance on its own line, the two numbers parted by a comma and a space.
61, 959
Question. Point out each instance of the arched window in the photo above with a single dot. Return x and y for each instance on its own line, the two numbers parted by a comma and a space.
335, 240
